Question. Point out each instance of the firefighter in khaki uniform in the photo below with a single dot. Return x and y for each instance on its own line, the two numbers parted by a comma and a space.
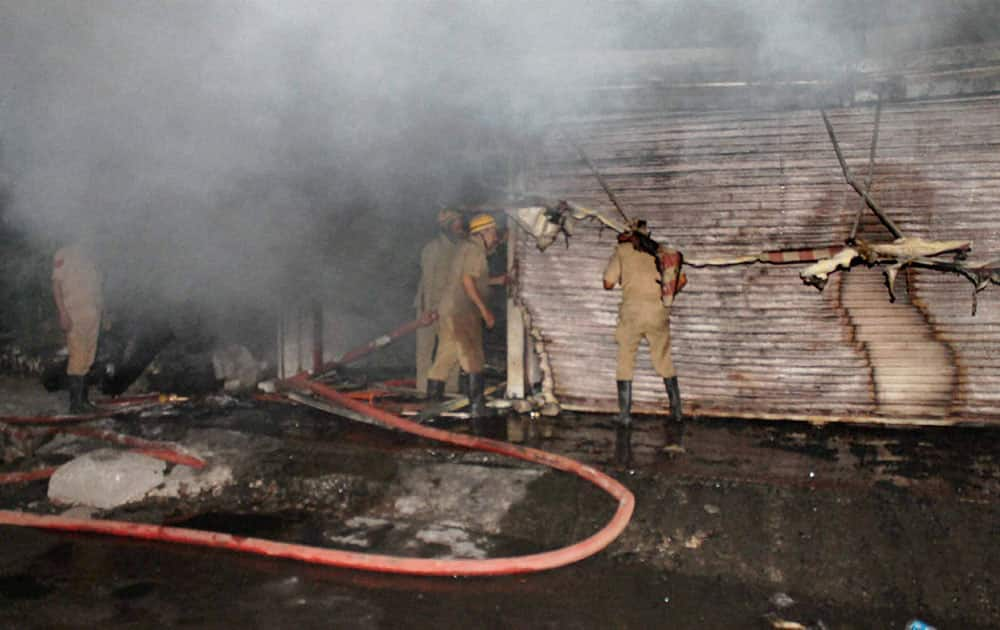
76, 286
649, 283
436, 260
463, 311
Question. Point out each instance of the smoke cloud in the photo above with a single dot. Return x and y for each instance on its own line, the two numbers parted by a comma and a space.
218, 147
224, 149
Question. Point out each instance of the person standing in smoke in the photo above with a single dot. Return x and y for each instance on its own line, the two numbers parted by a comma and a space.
649, 274
463, 311
76, 286
436, 260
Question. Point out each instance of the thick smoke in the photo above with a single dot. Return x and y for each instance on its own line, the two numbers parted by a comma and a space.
221, 148
226, 151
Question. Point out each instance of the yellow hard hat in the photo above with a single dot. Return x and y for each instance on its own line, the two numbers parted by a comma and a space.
447, 215
481, 222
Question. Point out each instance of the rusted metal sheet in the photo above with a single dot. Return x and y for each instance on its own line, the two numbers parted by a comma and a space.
753, 340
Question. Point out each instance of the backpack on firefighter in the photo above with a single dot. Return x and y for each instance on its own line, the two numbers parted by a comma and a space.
669, 262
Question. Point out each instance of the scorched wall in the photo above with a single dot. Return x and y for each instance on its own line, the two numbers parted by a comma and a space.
753, 340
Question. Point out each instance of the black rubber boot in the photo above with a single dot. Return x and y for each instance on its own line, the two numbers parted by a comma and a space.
85, 396
78, 402
673, 427
477, 399
624, 418
623, 430
623, 445
75, 387
435, 390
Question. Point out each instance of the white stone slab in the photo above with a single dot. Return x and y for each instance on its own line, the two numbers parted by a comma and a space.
105, 478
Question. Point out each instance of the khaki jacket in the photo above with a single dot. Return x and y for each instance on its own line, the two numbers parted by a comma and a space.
436, 260
469, 260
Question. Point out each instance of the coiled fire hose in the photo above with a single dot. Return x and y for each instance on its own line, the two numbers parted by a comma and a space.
376, 562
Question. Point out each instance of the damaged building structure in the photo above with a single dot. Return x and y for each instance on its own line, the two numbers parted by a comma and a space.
739, 172
839, 228
724, 164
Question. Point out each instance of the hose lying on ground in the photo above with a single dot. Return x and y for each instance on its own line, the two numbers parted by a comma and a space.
158, 450
376, 562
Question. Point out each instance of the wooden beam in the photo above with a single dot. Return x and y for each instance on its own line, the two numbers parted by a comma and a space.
515, 323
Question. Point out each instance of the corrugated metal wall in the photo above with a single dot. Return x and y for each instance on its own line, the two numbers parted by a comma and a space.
753, 340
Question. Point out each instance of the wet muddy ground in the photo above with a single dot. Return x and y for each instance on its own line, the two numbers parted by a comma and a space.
836, 527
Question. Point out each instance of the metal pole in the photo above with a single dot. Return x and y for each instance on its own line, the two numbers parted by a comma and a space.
886, 221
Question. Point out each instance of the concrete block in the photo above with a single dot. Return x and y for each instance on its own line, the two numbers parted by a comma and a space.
105, 478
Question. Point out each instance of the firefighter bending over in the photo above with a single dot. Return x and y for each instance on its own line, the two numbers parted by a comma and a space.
463, 311
649, 275
436, 260
76, 286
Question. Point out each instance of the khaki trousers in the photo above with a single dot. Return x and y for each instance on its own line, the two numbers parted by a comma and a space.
427, 337
460, 341
649, 321
81, 341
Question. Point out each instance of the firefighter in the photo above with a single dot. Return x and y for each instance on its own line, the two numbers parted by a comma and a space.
649, 275
436, 260
76, 286
463, 311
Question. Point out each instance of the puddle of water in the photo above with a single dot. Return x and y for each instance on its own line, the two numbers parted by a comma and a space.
219, 589
275, 526
23, 587
134, 591
208, 588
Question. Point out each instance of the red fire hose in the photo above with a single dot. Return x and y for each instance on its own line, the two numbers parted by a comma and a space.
374, 562
125, 405
59, 419
26, 475
158, 450
378, 342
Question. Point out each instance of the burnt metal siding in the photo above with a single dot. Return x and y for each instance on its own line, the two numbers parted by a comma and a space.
753, 340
